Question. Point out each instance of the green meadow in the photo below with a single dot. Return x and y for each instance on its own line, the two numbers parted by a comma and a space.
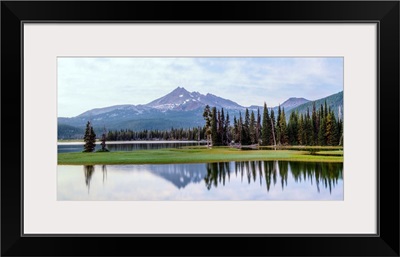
198, 155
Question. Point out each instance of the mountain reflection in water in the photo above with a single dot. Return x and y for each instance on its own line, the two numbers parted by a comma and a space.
214, 175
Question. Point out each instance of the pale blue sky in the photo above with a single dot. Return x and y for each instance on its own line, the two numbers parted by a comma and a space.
87, 83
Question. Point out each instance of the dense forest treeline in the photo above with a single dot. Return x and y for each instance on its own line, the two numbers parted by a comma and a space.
318, 126
195, 134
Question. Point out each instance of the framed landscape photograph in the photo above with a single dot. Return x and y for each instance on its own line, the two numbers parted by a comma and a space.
175, 144
266, 126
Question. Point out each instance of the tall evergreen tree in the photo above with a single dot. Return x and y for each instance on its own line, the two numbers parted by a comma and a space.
340, 125
89, 139
273, 129
322, 132
314, 121
266, 127
214, 132
325, 110
300, 133
227, 130
293, 129
207, 117
331, 129
223, 129
308, 134
235, 130
252, 128
321, 112
245, 135
103, 141
335, 131
258, 126
277, 126
242, 138
220, 128
283, 128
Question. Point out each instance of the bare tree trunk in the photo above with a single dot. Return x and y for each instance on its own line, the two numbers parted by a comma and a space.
273, 133
209, 141
341, 140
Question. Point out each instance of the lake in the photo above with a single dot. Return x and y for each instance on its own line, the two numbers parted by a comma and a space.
116, 146
237, 181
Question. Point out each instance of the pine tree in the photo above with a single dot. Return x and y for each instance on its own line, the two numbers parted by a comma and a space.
258, 126
321, 133
309, 135
314, 124
300, 132
310, 132
340, 128
214, 132
207, 117
283, 129
266, 127
325, 110
246, 128
273, 129
235, 130
241, 129
227, 130
220, 128
252, 128
89, 138
103, 141
277, 126
329, 130
292, 128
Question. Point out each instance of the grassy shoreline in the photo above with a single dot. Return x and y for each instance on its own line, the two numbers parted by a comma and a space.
191, 155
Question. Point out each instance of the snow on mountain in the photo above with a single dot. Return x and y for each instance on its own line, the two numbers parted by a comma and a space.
179, 108
182, 100
178, 99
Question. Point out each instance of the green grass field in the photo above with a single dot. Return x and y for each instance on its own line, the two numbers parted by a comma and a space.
192, 155
330, 153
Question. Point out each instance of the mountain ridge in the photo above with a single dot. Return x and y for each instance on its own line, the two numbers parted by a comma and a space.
170, 102
179, 108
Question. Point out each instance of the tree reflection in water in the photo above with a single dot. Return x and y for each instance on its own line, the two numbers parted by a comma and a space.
217, 173
88, 171
264, 173
104, 171
325, 174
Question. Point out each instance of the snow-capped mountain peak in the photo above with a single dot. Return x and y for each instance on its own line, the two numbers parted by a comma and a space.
181, 99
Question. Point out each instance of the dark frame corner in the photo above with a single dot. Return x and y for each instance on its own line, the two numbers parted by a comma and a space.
384, 13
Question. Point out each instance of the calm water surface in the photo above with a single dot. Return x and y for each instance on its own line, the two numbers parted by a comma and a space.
70, 147
250, 180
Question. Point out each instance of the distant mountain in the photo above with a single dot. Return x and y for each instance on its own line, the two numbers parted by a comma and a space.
289, 104
116, 110
178, 99
66, 131
182, 100
293, 102
179, 109
334, 102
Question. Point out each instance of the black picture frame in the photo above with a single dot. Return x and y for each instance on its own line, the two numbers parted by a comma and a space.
383, 13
